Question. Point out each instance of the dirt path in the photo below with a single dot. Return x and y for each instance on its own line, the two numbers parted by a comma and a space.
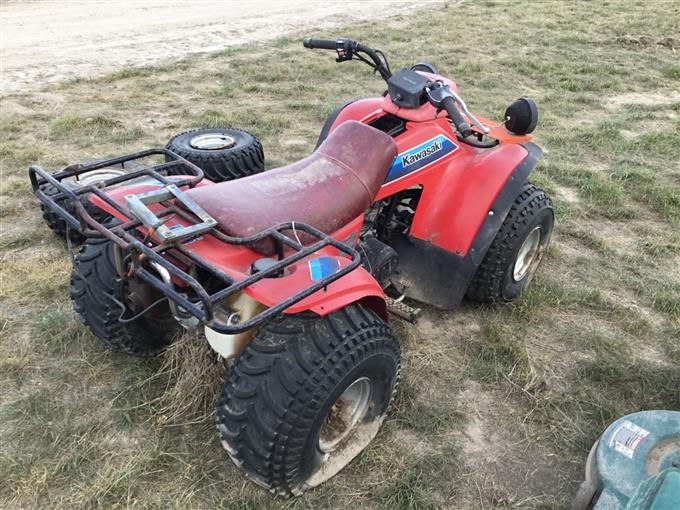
49, 41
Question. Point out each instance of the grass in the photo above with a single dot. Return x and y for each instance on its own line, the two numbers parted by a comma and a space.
498, 405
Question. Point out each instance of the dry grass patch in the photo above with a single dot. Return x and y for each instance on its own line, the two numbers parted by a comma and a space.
194, 374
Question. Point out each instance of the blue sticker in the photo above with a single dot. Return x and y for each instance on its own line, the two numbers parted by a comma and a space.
179, 226
323, 267
420, 156
149, 180
155, 182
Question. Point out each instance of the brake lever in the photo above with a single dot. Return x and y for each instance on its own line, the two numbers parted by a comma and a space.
469, 115
438, 91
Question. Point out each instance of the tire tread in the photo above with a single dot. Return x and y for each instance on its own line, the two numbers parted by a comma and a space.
94, 277
292, 378
487, 284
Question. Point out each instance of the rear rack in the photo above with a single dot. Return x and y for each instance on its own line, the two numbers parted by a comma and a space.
129, 242
39, 176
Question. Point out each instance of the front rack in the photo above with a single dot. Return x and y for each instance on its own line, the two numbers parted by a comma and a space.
68, 204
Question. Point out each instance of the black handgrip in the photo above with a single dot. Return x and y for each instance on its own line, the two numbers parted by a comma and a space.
461, 125
321, 44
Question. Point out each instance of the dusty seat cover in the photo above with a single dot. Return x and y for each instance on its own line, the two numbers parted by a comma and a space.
327, 190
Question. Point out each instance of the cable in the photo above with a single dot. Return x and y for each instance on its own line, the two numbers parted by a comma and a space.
384, 57
121, 305
136, 316
292, 223
69, 244
366, 61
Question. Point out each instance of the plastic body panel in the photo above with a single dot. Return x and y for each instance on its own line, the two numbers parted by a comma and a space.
363, 110
458, 189
459, 197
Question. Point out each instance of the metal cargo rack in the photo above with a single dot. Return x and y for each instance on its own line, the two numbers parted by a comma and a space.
129, 240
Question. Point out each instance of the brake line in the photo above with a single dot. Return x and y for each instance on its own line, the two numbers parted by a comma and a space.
121, 305
136, 316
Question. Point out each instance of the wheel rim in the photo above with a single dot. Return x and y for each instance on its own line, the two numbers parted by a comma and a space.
345, 414
212, 141
529, 253
96, 176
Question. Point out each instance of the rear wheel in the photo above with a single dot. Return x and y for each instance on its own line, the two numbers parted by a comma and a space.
307, 395
517, 250
101, 298
56, 223
222, 153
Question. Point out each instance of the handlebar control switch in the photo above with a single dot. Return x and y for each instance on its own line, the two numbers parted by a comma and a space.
344, 49
406, 88
437, 92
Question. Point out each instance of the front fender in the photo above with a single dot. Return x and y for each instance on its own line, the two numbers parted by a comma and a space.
503, 202
467, 203
354, 109
438, 261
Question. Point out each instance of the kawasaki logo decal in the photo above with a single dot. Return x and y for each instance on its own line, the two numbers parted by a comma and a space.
420, 156
409, 159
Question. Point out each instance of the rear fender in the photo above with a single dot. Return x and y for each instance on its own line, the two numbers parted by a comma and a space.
143, 186
357, 286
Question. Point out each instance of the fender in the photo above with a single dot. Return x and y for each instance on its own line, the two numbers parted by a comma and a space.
430, 269
455, 205
501, 206
361, 109
141, 186
357, 286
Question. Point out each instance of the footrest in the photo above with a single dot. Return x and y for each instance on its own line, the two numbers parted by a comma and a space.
401, 309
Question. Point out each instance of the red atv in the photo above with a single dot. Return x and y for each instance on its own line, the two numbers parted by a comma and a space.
289, 271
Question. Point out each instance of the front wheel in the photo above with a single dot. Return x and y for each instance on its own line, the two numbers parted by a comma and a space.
517, 249
307, 395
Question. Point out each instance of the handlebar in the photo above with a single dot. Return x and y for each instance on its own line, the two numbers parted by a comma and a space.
442, 98
439, 94
347, 49
321, 44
